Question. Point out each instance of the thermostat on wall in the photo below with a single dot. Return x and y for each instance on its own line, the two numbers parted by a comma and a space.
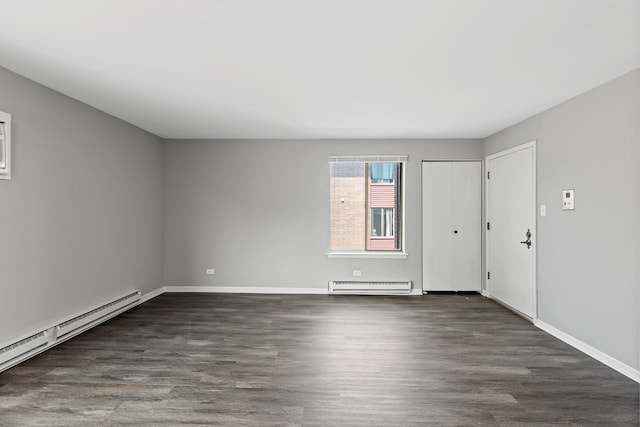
567, 200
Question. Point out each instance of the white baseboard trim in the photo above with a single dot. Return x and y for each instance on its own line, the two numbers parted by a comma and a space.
150, 295
484, 293
246, 290
243, 290
254, 290
611, 362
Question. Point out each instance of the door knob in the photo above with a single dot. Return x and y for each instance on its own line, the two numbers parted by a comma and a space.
528, 241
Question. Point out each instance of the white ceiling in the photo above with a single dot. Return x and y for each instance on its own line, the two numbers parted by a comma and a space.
320, 68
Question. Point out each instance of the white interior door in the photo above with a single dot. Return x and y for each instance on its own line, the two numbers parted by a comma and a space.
467, 225
511, 215
437, 244
451, 226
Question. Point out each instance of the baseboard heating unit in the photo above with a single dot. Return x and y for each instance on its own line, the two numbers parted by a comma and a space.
370, 288
25, 347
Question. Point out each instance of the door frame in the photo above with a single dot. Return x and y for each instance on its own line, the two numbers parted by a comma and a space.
534, 225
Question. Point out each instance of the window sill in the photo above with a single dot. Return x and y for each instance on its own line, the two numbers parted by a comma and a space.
378, 255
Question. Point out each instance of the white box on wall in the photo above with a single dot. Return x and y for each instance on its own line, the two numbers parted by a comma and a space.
5, 145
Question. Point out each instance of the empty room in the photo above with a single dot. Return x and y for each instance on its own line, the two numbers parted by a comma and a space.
320, 213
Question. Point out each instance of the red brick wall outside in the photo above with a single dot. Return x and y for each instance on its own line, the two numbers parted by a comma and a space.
348, 218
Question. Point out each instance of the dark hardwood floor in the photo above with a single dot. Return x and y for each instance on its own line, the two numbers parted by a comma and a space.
316, 360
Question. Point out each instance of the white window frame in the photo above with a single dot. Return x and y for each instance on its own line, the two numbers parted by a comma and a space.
395, 254
5, 145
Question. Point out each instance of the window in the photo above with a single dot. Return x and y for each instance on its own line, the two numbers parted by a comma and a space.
382, 172
5, 145
381, 222
366, 205
3, 149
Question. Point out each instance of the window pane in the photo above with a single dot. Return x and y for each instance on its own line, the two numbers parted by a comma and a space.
382, 222
348, 206
388, 222
382, 172
376, 221
366, 206
2, 146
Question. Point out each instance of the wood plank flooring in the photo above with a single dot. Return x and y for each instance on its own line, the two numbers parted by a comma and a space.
316, 360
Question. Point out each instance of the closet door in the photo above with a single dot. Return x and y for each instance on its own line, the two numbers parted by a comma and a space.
466, 214
437, 227
451, 226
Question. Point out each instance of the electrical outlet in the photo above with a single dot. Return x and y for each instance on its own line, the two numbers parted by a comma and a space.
357, 273
209, 271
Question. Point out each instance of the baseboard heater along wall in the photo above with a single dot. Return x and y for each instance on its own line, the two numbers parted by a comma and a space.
370, 288
21, 349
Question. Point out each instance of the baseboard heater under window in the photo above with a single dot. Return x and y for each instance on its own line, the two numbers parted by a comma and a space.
21, 349
370, 288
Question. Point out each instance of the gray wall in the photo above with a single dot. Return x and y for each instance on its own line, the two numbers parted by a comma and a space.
81, 221
258, 211
588, 279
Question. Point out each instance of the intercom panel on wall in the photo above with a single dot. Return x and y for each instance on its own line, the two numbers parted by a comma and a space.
567, 200
5, 145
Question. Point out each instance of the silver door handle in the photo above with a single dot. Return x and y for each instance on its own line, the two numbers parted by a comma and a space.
528, 241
